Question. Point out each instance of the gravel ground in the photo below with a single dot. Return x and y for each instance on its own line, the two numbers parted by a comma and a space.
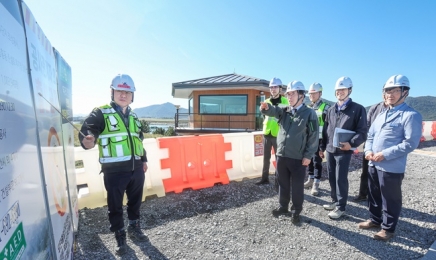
234, 221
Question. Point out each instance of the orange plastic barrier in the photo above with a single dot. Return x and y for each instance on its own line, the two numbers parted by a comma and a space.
422, 135
433, 130
195, 161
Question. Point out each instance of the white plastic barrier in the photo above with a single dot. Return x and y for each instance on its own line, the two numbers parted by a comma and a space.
245, 163
153, 178
94, 195
428, 130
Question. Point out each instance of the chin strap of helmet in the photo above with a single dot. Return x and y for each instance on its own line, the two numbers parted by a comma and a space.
345, 98
403, 95
299, 98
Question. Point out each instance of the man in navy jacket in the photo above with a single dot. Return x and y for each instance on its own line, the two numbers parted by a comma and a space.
347, 115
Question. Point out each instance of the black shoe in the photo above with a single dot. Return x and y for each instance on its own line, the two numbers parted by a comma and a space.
135, 233
280, 211
120, 236
360, 198
295, 218
262, 182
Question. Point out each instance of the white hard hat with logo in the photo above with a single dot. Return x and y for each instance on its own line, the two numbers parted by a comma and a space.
123, 82
275, 82
295, 85
397, 81
315, 87
343, 83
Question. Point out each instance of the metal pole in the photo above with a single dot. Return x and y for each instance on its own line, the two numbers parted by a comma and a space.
80, 132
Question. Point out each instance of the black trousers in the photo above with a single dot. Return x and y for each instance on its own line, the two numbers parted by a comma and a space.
269, 142
116, 184
385, 198
363, 190
315, 165
291, 174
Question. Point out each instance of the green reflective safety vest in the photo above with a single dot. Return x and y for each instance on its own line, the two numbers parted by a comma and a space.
319, 113
117, 143
270, 125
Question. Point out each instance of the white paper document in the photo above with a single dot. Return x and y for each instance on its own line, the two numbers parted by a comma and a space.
342, 136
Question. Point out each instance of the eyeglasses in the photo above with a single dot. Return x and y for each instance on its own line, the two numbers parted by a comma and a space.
274, 87
392, 91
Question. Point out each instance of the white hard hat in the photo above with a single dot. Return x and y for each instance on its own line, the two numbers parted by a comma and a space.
343, 82
295, 85
315, 87
123, 82
397, 81
275, 82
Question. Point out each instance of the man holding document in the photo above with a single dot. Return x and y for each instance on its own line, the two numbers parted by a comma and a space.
344, 130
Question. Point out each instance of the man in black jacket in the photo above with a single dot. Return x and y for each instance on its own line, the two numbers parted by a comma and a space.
373, 112
117, 131
347, 115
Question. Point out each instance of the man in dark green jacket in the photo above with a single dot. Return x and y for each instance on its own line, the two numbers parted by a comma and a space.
297, 141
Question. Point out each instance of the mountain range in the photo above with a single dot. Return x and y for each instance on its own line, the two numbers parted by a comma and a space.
425, 105
165, 110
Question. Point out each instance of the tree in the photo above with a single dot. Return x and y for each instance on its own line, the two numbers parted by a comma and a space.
159, 131
145, 126
170, 131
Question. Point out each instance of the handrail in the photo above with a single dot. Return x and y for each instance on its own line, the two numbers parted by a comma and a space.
224, 120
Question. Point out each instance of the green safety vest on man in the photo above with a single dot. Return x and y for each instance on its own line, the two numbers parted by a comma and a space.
319, 113
117, 143
270, 125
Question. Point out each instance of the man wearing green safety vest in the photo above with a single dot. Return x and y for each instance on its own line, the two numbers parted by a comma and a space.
117, 131
315, 166
271, 128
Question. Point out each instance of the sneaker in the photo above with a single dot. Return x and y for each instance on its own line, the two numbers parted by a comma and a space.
135, 232
262, 182
360, 198
315, 189
308, 183
383, 235
280, 211
330, 206
335, 214
120, 236
368, 224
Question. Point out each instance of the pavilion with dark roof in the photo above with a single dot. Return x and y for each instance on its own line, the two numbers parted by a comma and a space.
221, 104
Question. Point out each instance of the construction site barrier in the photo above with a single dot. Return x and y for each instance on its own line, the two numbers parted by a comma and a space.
195, 161
188, 162
245, 163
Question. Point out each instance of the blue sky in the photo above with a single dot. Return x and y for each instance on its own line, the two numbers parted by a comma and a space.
159, 42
